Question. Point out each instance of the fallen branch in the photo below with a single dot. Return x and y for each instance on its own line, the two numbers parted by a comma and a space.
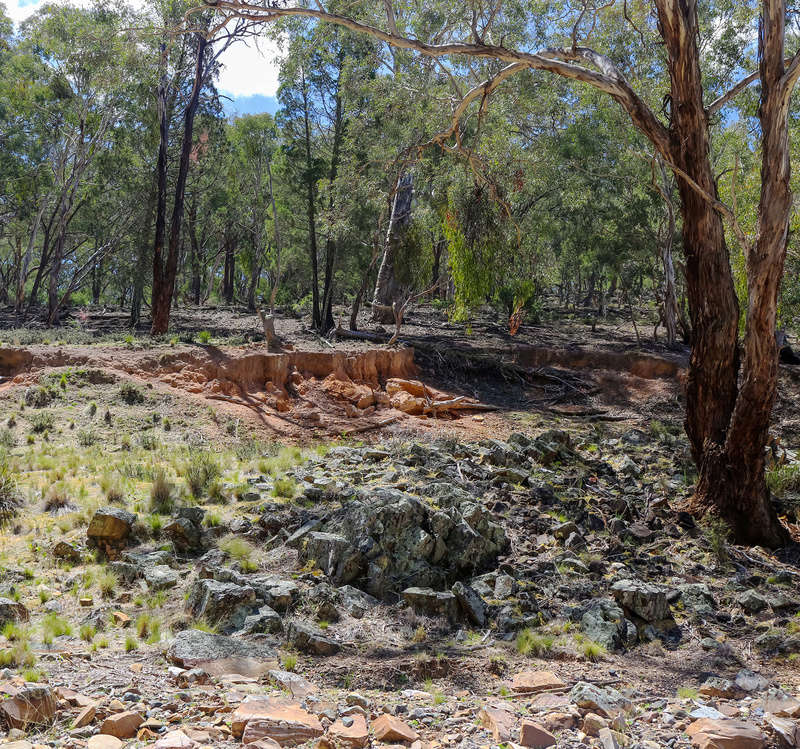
370, 427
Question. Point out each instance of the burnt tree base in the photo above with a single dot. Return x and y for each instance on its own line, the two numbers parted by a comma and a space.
738, 494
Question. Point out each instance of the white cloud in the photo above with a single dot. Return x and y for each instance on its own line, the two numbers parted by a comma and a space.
248, 68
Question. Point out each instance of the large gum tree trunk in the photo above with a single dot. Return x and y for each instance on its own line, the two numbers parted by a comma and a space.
727, 423
732, 480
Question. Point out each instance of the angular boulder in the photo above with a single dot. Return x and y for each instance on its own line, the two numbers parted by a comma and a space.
12, 611
109, 530
708, 733
219, 654
27, 705
398, 541
224, 604
308, 639
334, 555
432, 603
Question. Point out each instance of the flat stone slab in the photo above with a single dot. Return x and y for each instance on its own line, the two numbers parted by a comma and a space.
219, 654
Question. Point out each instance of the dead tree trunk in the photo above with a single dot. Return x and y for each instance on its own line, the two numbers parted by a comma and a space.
388, 289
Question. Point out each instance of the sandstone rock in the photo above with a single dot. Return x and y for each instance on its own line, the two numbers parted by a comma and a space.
787, 731
592, 723
218, 654
535, 736
28, 705
535, 681
104, 741
610, 739
355, 735
708, 733
782, 705
407, 403
499, 720
559, 721
287, 723
391, 730
122, 725
175, 740
85, 716
111, 525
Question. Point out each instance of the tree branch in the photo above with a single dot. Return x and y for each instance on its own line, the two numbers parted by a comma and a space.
558, 61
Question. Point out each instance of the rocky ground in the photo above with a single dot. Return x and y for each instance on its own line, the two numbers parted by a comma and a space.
190, 586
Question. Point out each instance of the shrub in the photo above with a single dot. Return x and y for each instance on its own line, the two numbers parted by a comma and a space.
717, 533
201, 469
7, 439
531, 643
161, 493
203, 336
148, 441
54, 626
14, 632
42, 422
10, 495
19, 655
107, 581
130, 394
242, 551
87, 437
285, 488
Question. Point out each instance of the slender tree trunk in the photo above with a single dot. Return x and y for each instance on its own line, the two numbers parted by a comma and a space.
164, 276
195, 261
669, 295
230, 266
331, 245
313, 251
387, 287
161, 189
278, 246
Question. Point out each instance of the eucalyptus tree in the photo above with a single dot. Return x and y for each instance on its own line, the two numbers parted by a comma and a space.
82, 56
729, 397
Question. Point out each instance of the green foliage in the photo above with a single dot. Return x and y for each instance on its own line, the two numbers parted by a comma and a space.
162, 500
529, 642
200, 470
130, 394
